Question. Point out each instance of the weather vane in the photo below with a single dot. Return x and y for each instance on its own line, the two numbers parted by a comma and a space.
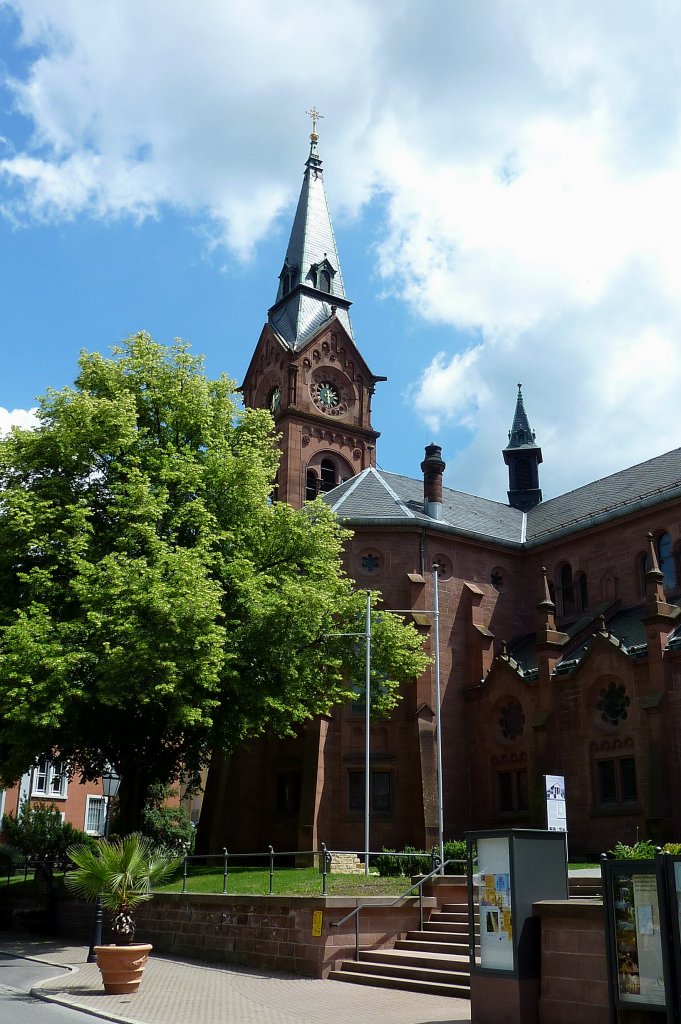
316, 116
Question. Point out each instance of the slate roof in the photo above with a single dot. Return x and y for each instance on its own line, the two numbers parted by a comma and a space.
379, 497
641, 486
375, 496
298, 315
521, 434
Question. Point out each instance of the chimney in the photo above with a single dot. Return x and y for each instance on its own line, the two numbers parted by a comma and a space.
432, 468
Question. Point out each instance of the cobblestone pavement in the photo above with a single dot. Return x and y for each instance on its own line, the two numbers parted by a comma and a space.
185, 992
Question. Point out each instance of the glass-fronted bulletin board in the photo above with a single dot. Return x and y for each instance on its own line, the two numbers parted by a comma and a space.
638, 936
509, 870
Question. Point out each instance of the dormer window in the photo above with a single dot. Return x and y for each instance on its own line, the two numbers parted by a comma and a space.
322, 275
288, 278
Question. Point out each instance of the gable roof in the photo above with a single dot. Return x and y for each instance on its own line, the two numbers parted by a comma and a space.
376, 497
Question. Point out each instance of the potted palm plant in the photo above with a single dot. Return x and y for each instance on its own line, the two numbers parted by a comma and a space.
122, 874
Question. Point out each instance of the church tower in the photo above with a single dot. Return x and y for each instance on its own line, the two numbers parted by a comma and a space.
306, 367
522, 456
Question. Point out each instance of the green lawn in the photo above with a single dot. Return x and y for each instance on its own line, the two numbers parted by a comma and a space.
287, 881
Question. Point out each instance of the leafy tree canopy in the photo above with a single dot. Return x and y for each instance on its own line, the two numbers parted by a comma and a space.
155, 603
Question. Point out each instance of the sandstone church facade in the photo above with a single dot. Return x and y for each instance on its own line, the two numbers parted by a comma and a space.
560, 628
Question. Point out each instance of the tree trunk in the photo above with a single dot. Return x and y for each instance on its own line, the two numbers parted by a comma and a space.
132, 797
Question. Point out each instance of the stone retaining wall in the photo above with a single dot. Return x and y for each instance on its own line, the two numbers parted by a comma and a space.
272, 932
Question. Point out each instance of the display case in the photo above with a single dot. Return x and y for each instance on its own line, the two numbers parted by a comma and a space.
509, 870
641, 900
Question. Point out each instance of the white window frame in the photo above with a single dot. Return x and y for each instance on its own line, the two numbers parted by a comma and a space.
50, 772
90, 799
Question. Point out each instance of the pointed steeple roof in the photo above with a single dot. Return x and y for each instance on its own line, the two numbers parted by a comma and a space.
522, 455
521, 434
311, 288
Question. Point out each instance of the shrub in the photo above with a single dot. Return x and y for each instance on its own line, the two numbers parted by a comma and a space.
39, 834
168, 828
674, 848
455, 849
643, 850
420, 862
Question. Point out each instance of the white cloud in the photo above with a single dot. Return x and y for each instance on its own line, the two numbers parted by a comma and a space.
528, 157
25, 418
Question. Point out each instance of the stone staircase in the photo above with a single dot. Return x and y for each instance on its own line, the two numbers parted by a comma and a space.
434, 960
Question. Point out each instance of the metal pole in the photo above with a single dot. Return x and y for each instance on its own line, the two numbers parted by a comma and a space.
224, 870
98, 916
438, 718
271, 870
367, 727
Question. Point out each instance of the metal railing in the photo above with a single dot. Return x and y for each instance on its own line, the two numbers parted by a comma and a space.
323, 854
417, 885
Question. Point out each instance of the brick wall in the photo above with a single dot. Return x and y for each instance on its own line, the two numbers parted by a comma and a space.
272, 932
574, 982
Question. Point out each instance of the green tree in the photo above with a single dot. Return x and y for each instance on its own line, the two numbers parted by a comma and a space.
155, 602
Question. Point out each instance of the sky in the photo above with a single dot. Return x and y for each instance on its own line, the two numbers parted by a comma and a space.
504, 181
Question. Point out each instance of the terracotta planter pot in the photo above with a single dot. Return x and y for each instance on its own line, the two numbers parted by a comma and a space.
122, 966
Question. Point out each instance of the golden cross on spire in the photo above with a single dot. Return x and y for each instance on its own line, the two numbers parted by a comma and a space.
316, 116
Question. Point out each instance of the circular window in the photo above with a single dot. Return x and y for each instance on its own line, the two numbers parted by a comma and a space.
512, 719
370, 561
444, 566
613, 703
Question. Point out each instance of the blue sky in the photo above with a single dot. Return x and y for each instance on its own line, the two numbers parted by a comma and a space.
503, 180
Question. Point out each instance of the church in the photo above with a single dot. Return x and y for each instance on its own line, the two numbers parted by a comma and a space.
559, 620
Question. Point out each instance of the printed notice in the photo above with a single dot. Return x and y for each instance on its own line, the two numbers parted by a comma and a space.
640, 974
496, 917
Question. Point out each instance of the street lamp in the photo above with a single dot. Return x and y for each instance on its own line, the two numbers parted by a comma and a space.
111, 780
438, 716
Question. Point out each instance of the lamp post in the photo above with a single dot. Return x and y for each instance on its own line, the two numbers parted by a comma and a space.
438, 717
111, 780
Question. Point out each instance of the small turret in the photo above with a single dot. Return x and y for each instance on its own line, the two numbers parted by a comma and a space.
522, 456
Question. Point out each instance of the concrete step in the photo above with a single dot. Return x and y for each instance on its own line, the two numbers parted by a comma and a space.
449, 915
433, 924
434, 935
454, 963
404, 979
426, 944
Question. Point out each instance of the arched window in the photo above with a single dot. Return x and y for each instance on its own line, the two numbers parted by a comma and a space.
665, 556
567, 592
523, 474
311, 485
581, 592
327, 476
325, 281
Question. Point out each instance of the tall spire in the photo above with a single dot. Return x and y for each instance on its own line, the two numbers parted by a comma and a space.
520, 434
522, 455
311, 287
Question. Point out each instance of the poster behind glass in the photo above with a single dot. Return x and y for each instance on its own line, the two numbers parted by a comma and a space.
496, 918
556, 815
640, 975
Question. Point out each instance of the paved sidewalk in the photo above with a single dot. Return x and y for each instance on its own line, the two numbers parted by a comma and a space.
185, 992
